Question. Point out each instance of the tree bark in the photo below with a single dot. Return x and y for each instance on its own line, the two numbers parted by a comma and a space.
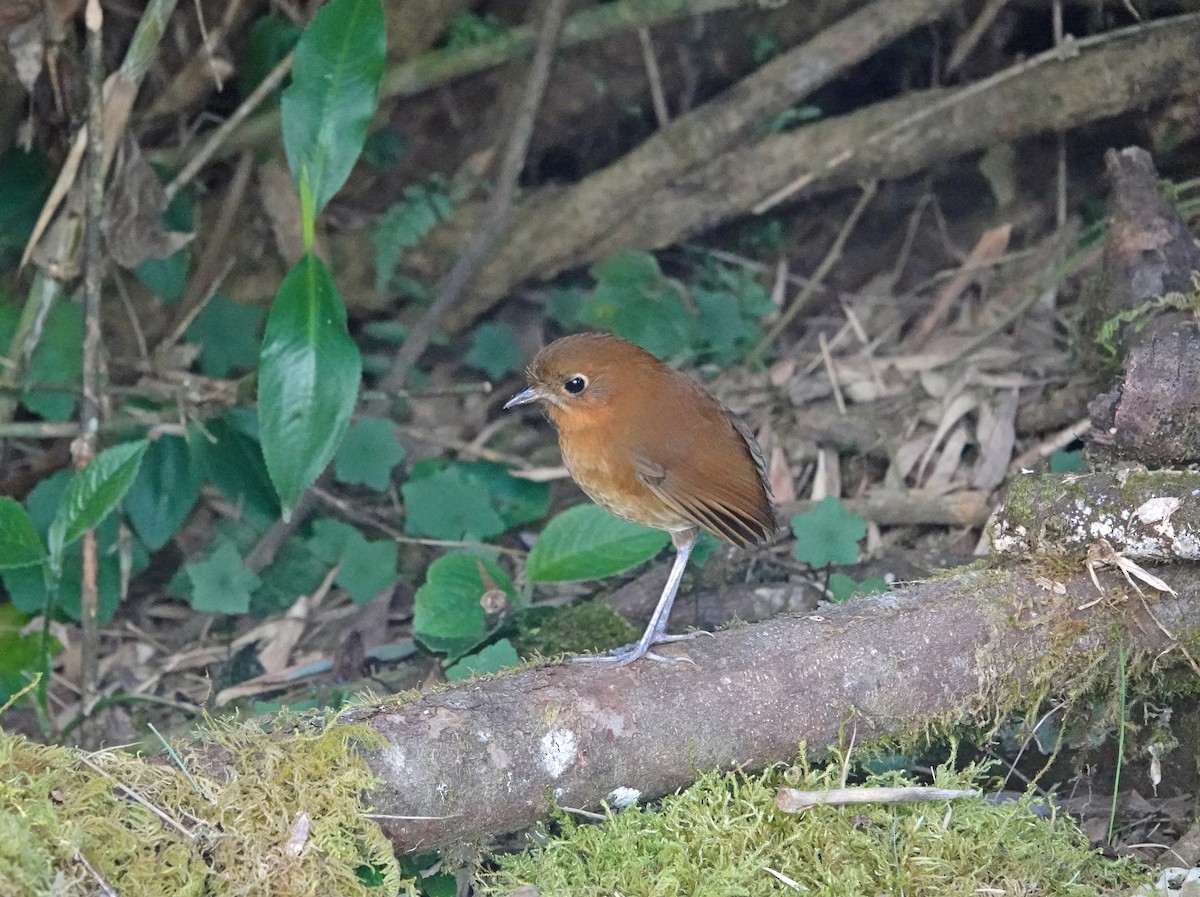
488, 756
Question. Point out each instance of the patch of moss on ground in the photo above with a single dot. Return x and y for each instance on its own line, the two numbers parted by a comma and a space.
587, 626
285, 817
724, 836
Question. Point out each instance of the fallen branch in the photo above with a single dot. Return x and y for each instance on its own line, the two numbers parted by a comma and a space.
488, 757
1097, 78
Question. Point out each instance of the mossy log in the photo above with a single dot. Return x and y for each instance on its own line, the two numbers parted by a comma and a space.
490, 756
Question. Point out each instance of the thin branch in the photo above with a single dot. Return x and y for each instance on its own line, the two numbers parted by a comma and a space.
83, 449
499, 207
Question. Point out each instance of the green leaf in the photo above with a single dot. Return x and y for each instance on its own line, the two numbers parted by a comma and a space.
167, 277
828, 534
566, 306
447, 615
24, 185
333, 94
308, 379
20, 655
268, 39
494, 351
26, 586
94, 492
489, 659
451, 505
842, 587
227, 333
368, 453
165, 491
221, 584
20, 544
635, 300
227, 452
57, 359
368, 567
586, 542
515, 499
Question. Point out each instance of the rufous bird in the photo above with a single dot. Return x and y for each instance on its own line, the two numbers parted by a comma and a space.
651, 446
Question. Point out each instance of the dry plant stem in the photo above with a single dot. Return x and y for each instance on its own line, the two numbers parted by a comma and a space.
792, 800
1108, 75
968, 41
42, 293
657, 96
215, 261
496, 214
83, 448
831, 258
964, 649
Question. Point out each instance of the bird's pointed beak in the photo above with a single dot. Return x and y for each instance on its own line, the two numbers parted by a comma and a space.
523, 398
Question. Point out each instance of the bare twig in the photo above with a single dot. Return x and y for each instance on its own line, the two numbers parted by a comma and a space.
657, 96
83, 448
831, 258
221, 134
496, 214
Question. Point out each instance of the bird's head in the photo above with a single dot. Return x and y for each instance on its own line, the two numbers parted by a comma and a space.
578, 379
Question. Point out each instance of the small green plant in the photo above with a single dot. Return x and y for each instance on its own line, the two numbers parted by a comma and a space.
716, 319
468, 29
469, 500
402, 227
1141, 315
842, 587
448, 611
828, 534
90, 495
309, 367
494, 351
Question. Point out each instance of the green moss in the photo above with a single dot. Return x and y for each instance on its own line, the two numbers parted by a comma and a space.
721, 837
284, 818
587, 626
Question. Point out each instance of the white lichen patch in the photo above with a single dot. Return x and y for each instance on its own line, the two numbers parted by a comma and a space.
623, 797
557, 751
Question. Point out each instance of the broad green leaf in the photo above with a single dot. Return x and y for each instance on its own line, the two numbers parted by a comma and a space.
94, 492
221, 584
368, 453
308, 379
489, 659
447, 615
231, 457
20, 544
333, 94
494, 351
449, 504
828, 534
164, 493
227, 333
57, 359
1068, 462
586, 542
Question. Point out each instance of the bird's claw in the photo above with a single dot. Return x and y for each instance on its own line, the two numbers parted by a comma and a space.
619, 657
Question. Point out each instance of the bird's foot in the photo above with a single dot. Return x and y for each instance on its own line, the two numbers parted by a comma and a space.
619, 657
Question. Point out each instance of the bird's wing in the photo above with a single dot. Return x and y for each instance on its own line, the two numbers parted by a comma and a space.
738, 512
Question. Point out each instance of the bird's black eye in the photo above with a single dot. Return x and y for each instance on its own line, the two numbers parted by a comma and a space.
576, 385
